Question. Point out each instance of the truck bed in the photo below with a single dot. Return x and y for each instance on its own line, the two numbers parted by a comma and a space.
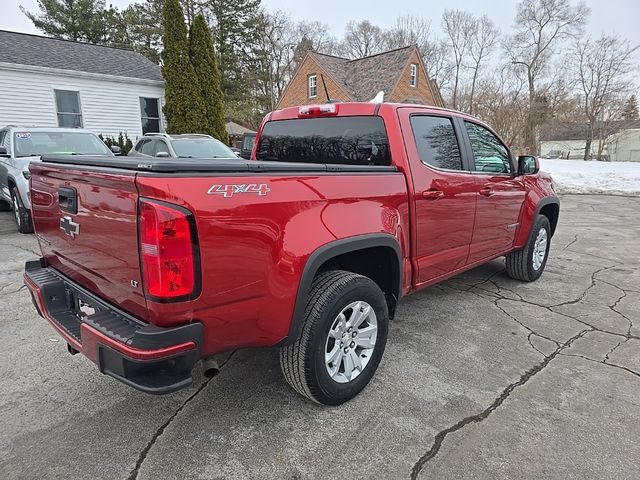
253, 240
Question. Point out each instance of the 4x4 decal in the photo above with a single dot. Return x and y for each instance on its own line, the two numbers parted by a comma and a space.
230, 190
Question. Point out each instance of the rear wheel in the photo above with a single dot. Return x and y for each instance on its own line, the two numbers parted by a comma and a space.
342, 339
21, 214
527, 264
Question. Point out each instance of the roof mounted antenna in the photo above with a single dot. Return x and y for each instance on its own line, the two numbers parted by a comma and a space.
326, 92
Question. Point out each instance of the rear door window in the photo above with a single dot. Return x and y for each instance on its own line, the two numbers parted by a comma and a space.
436, 142
341, 140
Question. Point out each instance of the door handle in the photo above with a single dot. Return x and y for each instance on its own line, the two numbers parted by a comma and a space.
486, 191
432, 194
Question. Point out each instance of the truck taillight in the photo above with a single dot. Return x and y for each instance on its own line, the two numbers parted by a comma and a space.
168, 251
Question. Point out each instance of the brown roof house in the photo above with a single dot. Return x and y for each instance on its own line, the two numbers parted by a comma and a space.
400, 73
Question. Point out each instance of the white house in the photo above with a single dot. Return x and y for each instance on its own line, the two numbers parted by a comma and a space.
622, 143
50, 82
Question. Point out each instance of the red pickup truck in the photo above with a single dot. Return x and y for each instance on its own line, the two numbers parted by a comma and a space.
151, 266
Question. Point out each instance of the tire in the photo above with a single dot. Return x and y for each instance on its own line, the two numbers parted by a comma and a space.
21, 214
521, 264
304, 363
5, 206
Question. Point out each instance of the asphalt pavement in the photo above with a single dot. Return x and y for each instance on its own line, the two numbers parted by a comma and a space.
483, 377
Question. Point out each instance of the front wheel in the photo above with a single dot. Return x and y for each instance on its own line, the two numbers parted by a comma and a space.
342, 339
527, 264
21, 214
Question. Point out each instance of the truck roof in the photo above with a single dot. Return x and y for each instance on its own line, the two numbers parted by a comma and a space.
359, 108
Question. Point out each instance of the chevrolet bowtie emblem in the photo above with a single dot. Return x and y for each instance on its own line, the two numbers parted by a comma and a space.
69, 227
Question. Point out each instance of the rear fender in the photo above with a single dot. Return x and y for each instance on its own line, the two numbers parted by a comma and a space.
331, 251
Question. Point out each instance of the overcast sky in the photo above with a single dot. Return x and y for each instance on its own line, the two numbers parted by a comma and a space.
610, 16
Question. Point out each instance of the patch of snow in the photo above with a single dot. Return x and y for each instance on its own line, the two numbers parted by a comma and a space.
593, 177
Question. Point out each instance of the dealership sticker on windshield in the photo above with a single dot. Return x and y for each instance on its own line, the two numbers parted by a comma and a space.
23, 135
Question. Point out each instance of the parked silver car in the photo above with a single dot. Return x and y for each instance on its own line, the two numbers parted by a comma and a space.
19, 146
180, 146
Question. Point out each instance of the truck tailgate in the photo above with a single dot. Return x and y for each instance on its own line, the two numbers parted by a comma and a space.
86, 222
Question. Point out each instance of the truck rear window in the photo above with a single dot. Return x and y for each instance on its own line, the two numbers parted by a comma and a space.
341, 140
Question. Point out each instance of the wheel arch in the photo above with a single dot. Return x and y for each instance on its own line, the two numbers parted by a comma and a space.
377, 256
550, 208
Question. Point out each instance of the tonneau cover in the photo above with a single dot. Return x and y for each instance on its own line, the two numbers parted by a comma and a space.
186, 165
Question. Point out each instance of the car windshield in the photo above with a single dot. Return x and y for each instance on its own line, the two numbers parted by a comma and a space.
28, 144
201, 148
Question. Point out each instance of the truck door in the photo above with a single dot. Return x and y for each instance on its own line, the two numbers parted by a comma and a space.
500, 193
444, 192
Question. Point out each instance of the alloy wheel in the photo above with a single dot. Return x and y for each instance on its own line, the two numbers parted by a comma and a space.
351, 341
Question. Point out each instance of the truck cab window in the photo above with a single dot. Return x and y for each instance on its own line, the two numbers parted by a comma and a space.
342, 140
436, 142
490, 155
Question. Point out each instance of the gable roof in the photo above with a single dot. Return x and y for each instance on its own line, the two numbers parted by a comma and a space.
578, 131
363, 78
34, 50
234, 128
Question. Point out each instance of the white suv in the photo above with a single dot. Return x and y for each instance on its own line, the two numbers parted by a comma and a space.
20, 146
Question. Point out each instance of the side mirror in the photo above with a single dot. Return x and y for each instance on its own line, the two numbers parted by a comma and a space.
115, 149
528, 165
162, 154
3, 152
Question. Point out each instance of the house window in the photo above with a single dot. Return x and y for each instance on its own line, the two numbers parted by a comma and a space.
413, 80
68, 108
313, 86
150, 115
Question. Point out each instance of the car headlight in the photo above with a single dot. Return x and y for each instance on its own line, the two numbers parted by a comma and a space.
26, 174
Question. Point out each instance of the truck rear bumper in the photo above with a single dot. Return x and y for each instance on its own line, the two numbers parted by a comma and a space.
149, 358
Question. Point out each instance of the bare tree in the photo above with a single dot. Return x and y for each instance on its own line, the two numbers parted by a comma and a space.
501, 101
414, 30
362, 39
482, 45
277, 42
540, 26
602, 68
460, 29
409, 30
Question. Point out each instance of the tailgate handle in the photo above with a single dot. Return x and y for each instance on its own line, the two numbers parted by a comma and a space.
68, 199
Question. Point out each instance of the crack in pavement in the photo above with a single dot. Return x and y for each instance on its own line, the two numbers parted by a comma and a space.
24, 249
575, 239
496, 297
133, 475
493, 295
3, 289
479, 417
584, 294
603, 362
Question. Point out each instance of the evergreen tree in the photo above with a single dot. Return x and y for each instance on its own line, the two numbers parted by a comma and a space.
184, 108
236, 26
143, 23
205, 64
631, 109
78, 20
